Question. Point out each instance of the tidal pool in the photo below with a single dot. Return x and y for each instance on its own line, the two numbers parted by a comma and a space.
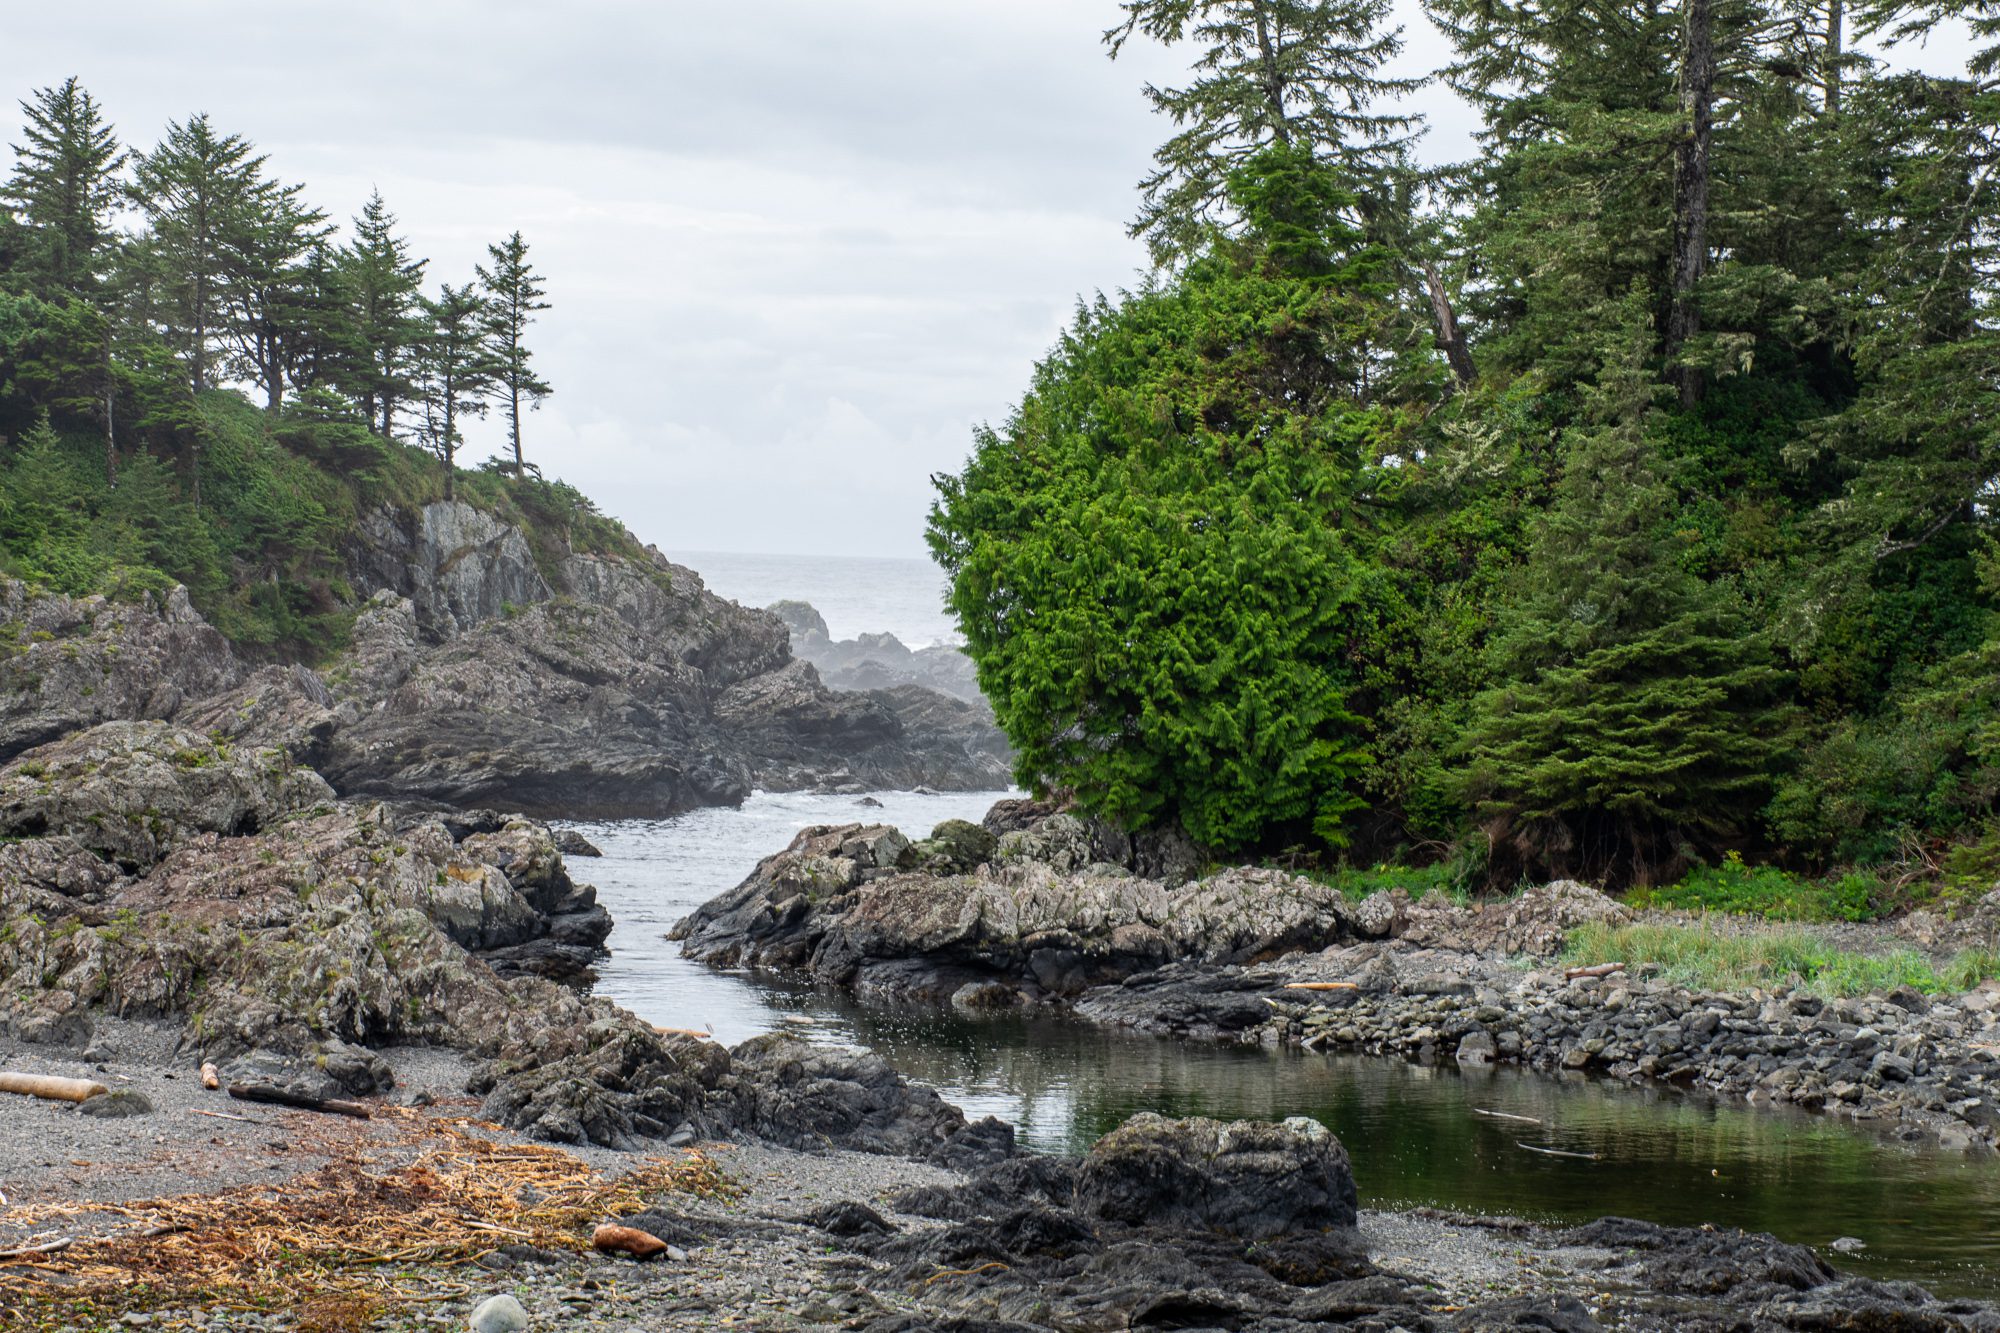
1417, 1134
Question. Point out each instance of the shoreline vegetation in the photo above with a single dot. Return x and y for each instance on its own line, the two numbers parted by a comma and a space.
1610, 507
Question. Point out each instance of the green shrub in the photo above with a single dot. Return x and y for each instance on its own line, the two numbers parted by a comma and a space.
1768, 891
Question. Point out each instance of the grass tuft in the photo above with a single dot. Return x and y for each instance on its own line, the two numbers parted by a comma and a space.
1701, 958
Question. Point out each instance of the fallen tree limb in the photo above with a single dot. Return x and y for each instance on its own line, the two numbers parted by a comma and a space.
697, 1033
1558, 1152
1598, 970
224, 1115
1322, 985
210, 1079
50, 1087
264, 1092
49, 1247
1505, 1115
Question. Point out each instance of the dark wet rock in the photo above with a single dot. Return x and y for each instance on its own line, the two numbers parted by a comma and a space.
848, 1218
808, 1096
629, 1085
571, 843
1708, 1262
1554, 1314
1247, 1178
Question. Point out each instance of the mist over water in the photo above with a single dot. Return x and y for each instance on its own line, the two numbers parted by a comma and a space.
1414, 1132
857, 595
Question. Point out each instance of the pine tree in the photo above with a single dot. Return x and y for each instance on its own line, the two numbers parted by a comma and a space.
200, 191
1271, 72
456, 372
66, 186
272, 286
1636, 718
513, 297
382, 283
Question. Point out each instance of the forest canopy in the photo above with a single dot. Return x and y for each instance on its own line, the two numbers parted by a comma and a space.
1612, 501
147, 295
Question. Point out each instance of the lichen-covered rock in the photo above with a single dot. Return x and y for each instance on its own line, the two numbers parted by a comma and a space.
1248, 1179
1057, 925
133, 791
71, 663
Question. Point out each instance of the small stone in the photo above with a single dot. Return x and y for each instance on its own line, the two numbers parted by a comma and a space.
116, 1105
499, 1314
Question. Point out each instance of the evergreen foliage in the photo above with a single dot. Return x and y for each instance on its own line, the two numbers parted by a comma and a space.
1670, 540
129, 460
514, 295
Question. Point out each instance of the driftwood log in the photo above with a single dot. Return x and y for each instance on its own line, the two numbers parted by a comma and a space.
1322, 985
264, 1092
613, 1239
1599, 970
49, 1086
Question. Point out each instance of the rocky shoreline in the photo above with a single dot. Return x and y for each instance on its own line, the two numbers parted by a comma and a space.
1187, 1224
1041, 908
478, 675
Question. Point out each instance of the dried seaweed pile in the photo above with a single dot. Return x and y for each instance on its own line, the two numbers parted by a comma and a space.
345, 1235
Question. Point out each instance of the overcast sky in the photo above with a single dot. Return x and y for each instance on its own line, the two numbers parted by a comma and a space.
796, 249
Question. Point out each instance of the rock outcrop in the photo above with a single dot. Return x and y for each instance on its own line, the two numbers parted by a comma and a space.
484, 673
69, 663
1052, 912
877, 661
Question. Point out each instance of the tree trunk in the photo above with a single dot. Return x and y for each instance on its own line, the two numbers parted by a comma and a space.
514, 422
1836, 37
1691, 176
110, 418
1274, 79
450, 448
1449, 338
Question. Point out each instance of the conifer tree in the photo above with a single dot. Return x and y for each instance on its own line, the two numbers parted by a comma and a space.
382, 283
66, 186
200, 189
1271, 72
513, 298
271, 284
1636, 715
456, 372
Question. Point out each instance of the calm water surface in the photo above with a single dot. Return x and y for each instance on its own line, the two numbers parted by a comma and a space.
1412, 1131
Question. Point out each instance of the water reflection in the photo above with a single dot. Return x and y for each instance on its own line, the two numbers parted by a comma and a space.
1414, 1132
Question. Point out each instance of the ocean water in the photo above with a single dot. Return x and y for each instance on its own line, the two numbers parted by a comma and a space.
857, 595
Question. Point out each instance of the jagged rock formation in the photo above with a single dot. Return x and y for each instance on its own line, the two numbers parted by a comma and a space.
1050, 911
68, 663
585, 686
877, 661
155, 872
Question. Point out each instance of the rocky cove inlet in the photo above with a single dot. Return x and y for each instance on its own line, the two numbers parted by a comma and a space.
1415, 1131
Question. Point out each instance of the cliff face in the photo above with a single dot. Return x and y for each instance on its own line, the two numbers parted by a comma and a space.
586, 686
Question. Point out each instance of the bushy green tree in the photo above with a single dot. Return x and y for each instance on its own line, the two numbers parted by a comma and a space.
382, 283
66, 185
1637, 713
1161, 563
456, 372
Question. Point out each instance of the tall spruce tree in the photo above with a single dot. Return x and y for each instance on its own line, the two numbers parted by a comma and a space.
1271, 72
382, 283
200, 191
273, 288
456, 372
1637, 714
513, 298
66, 186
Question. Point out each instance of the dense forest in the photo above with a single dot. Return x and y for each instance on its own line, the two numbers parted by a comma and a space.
143, 295
1613, 503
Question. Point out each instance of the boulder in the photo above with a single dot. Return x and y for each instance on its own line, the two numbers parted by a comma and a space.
134, 791
70, 663
1251, 1180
